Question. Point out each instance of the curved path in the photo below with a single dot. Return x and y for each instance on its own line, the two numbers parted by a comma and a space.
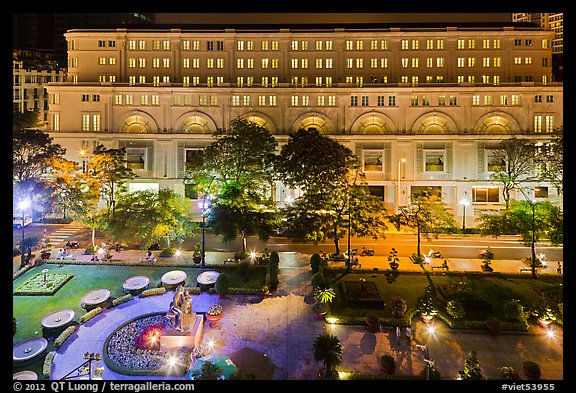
273, 338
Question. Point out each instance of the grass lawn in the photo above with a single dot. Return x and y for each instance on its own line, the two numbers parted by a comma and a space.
29, 310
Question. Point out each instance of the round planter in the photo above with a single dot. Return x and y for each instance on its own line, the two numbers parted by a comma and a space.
544, 322
320, 312
387, 368
214, 320
426, 318
196, 259
531, 375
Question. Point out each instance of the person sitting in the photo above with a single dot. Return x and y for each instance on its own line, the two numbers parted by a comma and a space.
149, 257
60, 254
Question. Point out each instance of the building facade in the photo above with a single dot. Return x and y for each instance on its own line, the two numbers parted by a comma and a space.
31, 71
421, 106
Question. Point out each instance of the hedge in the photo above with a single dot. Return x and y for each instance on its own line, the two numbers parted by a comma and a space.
122, 299
47, 366
63, 336
90, 314
153, 291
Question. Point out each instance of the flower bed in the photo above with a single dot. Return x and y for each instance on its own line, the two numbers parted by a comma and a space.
37, 286
126, 355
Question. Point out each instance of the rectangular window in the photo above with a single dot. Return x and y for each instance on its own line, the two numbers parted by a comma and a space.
434, 160
354, 101
475, 100
364, 100
135, 158
540, 192
485, 194
461, 44
453, 100
441, 100
372, 160
417, 191
404, 44
415, 44
440, 44
414, 101
494, 162
391, 100
503, 100
515, 99
549, 98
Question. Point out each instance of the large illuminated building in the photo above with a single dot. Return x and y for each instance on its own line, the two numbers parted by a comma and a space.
421, 105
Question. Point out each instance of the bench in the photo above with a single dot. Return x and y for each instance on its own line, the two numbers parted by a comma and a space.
231, 260
440, 267
525, 270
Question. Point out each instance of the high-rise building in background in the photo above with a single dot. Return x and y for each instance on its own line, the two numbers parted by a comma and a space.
550, 21
423, 106
45, 31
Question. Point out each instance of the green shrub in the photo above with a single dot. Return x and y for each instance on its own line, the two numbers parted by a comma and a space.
532, 368
47, 366
513, 310
318, 280
90, 250
431, 372
63, 336
122, 299
222, 283
168, 252
455, 309
153, 291
399, 307
315, 261
90, 314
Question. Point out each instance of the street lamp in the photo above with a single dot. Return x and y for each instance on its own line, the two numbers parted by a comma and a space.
203, 259
400, 162
464, 202
24, 204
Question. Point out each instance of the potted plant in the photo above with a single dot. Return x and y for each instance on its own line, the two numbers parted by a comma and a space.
214, 314
264, 291
394, 264
544, 313
426, 306
487, 256
387, 363
531, 370
399, 307
327, 348
493, 324
323, 295
222, 284
197, 255
315, 262
372, 321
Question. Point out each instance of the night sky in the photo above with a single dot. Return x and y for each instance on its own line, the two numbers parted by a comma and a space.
318, 17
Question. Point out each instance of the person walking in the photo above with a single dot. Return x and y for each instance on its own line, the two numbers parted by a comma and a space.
559, 268
408, 332
397, 335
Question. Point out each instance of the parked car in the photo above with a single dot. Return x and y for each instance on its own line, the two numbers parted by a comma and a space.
17, 221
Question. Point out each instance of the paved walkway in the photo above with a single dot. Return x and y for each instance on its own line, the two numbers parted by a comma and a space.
273, 338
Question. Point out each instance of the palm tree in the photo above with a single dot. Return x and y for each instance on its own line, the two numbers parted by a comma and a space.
26, 245
327, 348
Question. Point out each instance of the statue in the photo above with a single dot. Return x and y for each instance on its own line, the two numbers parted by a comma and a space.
180, 310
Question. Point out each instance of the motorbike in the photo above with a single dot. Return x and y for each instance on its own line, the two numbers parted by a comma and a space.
353, 251
434, 254
367, 252
70, 244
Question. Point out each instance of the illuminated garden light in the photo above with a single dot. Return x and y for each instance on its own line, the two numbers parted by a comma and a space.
550, 333
252, 255
431, 329
178, 253
210, 344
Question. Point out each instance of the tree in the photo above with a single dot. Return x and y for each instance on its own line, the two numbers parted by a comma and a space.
65, 182
517, 158
311, 161
237, 168
107, 172
25, 120
472, 369
335, 200
427, 215
327, 348
531, 220
32, 152
550, 162
26, 246
149, 216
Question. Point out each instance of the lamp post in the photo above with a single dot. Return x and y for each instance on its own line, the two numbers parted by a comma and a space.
203, 257
533, 245
403, 160
348, 260
464, 202
24, 204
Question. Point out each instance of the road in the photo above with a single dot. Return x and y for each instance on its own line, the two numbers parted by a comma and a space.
454, 246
